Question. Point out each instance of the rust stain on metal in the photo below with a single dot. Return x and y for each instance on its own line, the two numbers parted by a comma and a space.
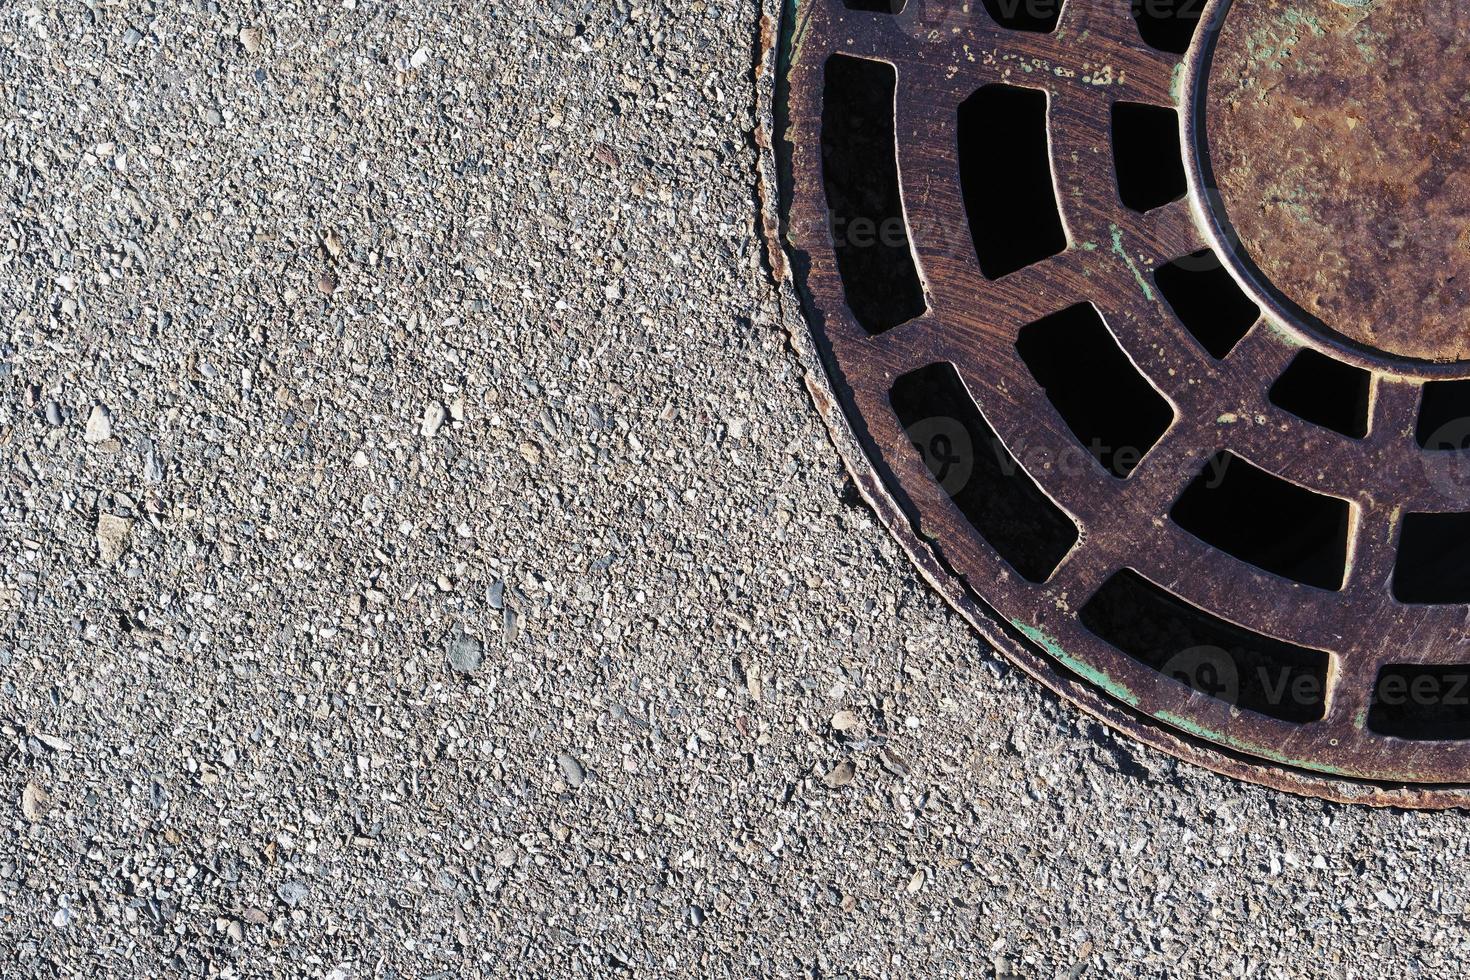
767, 43
767, 207
770, 230
1340, 142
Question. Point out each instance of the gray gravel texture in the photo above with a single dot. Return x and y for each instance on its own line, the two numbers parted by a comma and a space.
421, 557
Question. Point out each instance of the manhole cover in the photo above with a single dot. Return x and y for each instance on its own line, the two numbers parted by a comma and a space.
1150, 320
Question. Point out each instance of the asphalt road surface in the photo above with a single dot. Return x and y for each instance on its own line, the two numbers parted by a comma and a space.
420, 556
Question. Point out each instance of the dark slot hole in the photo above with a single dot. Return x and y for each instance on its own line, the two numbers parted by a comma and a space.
1005, 176
1433, 564
1207, 301
1208, 655
1025, 15
1266, 521
1444, 416
1425, 704
1328, 393
1147, 155
1108, 405
1168, 25
963, 453
876, 6
860, 169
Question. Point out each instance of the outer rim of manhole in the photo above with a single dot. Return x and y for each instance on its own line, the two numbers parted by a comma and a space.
1020, 650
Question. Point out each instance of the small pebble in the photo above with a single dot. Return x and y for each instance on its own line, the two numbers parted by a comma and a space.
840, 775
571, 769
99, 426
465, 653
112, 536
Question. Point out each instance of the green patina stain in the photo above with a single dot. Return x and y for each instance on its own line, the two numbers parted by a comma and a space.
1176, 84
1122, 253
1088, 246
1280, 329
1085, 671
1298, 19
1125, 694
1252, 748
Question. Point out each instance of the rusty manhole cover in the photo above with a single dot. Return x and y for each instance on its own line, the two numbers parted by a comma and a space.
1150, 321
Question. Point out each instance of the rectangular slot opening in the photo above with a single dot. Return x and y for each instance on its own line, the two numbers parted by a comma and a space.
1025, 15
1147, 155
1168, 25
969, 461
1109, 406
860, 173
1325, 392
1207, 301
1433, 562
1444, 416
1421, 703
1264, 520
1208, 654
1006, 179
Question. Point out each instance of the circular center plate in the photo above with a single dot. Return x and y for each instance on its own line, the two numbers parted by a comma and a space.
1339, 136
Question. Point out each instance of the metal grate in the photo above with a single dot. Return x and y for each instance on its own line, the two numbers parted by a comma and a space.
1213, 518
